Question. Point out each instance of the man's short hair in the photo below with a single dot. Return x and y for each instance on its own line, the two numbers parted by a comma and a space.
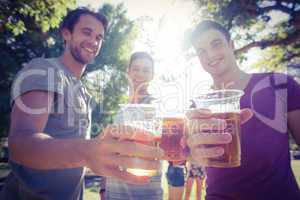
73, 16
206, 25
140, 55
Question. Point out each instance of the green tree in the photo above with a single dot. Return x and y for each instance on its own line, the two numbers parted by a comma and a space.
271, 25
29, 29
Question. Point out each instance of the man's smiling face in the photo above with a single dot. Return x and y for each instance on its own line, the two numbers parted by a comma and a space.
215, 52
85, 41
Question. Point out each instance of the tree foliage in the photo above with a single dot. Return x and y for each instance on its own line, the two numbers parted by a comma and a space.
24, 16
271, 25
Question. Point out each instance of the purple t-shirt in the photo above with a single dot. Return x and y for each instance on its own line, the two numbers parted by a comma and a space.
265, 172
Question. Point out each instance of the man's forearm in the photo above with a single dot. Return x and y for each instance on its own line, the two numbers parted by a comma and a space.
40, 151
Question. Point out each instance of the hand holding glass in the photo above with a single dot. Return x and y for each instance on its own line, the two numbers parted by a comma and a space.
220, 105
143, 117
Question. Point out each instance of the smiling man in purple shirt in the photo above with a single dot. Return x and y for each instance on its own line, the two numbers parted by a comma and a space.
274, 98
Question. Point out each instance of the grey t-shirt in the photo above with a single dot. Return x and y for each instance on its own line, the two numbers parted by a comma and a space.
69, 117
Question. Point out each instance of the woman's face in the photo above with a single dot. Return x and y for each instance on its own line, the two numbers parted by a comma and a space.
140, 71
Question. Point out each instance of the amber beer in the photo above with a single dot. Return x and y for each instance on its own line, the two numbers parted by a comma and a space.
145, 172
172, 133
169, 141
232, 150
143, 117
223, 104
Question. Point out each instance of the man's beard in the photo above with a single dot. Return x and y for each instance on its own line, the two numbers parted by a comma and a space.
75, 52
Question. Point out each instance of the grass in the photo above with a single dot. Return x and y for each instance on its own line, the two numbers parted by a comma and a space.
296, 170
91, 194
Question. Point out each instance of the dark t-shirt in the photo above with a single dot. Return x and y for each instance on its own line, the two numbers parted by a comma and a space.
265, 172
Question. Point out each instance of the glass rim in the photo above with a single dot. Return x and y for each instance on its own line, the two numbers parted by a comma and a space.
235, 94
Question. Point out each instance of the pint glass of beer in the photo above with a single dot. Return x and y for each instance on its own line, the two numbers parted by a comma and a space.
224, 104
143, 117
172, 133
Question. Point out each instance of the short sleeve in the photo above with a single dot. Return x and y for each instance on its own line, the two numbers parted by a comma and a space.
38, 74
293, 89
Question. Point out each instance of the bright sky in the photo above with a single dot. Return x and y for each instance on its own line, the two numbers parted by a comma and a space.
169, 20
